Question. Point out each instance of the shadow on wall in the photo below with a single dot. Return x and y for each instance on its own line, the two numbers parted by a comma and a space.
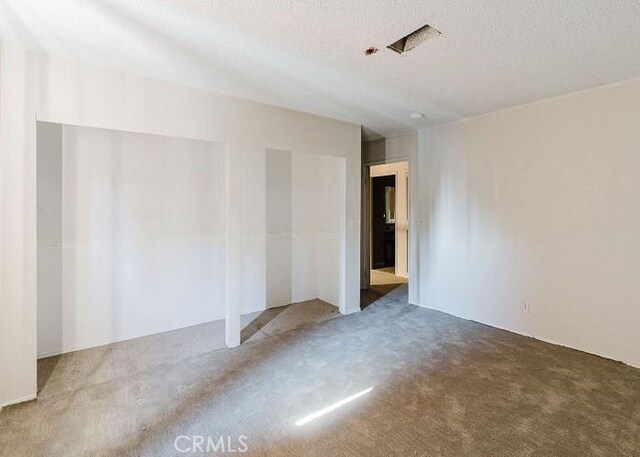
49, 238
279, 228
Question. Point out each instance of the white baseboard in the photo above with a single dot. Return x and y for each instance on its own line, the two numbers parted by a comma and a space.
350, 311
528, 335
18, 400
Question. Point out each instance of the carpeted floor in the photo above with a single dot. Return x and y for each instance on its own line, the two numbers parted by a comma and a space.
421, 383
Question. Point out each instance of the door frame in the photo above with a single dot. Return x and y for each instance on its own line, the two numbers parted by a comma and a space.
365, 248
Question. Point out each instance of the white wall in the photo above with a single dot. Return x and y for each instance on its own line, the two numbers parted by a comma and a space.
393, 148
34, 87
538, 203
304, 200
279, 229
18, 274
252, 209
131, 233
142, 236
317, 216
401, 147
330, 177
50, 267
140, 248
401, 171
81, 95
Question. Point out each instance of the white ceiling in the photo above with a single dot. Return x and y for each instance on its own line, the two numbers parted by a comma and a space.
308, 54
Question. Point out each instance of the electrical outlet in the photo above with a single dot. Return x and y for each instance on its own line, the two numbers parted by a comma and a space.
525, 306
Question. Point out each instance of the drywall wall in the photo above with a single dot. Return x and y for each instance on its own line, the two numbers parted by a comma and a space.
393, 148
317, 185
131, 233
401, 171
279, 229
18, 283
50, 310
401, 147
141, 232
305, 195
34, 86
373, 151
330, 175
252, 211
538, 203
82, 95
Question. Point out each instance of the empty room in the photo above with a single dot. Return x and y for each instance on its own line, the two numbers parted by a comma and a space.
319, 228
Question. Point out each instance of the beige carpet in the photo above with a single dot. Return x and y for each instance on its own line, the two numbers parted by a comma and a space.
420, 383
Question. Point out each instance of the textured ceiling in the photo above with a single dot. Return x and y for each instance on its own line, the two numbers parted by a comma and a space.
308, 54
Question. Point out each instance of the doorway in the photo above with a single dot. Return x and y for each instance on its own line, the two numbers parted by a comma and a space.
383, 223
386, 199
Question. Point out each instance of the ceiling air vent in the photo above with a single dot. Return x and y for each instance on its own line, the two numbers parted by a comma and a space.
407, 43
